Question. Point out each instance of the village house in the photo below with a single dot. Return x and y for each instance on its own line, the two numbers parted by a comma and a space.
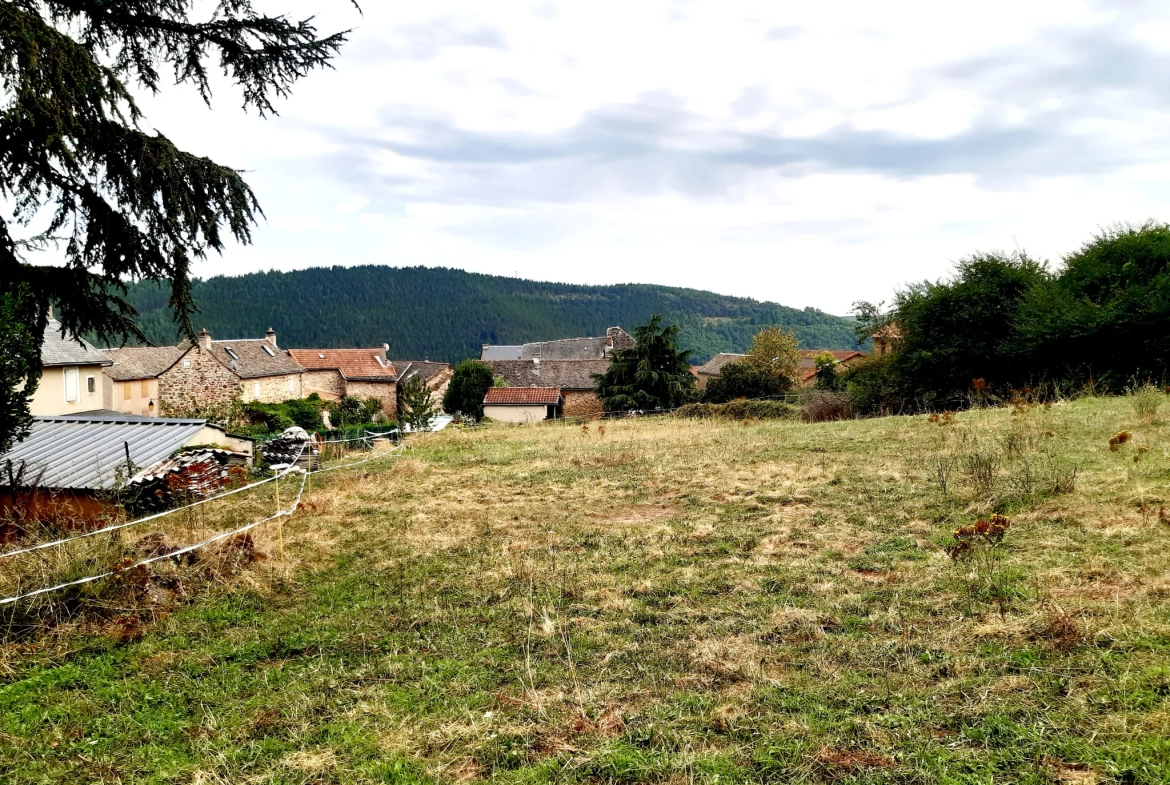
714, 367
574, 378
132, 380
436, 376
521, 404
806, 372
594, 348
211, 373
71, 375
360, 373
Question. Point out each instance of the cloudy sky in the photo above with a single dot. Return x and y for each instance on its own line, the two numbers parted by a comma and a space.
806, 153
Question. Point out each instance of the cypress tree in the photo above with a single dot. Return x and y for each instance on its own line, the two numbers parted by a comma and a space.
84, 179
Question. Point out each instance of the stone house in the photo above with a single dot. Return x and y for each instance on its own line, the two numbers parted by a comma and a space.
593, 348
436, 376
521, 404
133, 378
361, 373
71, 376
714, 367
806, 372
212, 373
574, 378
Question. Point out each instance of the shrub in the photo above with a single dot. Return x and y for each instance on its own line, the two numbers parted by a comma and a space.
1147, 400
740, 410
743, 380
822, 406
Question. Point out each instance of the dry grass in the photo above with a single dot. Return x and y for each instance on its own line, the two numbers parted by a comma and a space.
667, 601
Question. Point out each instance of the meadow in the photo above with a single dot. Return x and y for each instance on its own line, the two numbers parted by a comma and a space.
976, 598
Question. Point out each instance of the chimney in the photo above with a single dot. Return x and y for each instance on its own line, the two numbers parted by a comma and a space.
205, 340
270, 336
384, 352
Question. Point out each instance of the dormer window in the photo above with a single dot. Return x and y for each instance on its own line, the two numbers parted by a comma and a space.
321, 356
231, 353
268, 350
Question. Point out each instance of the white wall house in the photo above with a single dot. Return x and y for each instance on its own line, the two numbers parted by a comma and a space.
71, 376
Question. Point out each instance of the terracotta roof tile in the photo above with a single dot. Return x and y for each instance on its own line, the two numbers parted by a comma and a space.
353, 364
531, 396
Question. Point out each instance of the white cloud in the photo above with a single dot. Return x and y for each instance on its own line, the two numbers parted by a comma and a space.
808, 153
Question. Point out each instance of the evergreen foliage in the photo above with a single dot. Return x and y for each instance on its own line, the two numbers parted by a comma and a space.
447, 315
416, 404
118, 202
469, 384
20, 363
653, 375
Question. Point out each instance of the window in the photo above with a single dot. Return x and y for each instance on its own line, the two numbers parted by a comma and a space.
127, 390
292, 384
145, 388
90, 385
231, 353
268, 350
256, 390
72, 384
186, 363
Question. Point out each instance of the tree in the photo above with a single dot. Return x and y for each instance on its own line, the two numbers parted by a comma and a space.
826, 372
653, 375
20, 363
774, 355
469, 384
416, 404
741, 380
964, 329
118, 202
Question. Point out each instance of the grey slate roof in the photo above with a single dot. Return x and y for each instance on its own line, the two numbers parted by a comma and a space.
60, 350
566, 374
254, 362
566, 349
424, 368
140, 362
81, 452
714, 366
500, 352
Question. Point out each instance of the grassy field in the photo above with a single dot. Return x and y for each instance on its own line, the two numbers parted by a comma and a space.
660, 601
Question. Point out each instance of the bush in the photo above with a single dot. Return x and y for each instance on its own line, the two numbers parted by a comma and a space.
823, 405
872, 386
304, 413
743, 380
740, 410
271, 417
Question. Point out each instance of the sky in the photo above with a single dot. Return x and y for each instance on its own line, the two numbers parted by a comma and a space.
811, 154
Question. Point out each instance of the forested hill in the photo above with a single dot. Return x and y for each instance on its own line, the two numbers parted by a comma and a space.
445, 314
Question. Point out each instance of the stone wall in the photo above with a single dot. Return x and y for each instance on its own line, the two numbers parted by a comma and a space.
273, 389
387, 392
203, 382
328, 384
579, 403
439, 383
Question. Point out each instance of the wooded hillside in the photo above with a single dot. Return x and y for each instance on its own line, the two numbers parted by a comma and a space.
444, 314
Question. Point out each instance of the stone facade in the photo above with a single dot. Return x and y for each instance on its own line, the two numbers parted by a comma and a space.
581, 403
272, 389
197, 379
327, 383
387, 392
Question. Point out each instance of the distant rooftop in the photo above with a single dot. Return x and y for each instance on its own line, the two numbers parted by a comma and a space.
59, 350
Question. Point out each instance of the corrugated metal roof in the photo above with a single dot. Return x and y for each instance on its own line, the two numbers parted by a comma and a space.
60, 350
84, 453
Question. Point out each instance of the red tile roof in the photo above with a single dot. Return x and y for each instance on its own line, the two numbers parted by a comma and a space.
352, 363
531, 396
